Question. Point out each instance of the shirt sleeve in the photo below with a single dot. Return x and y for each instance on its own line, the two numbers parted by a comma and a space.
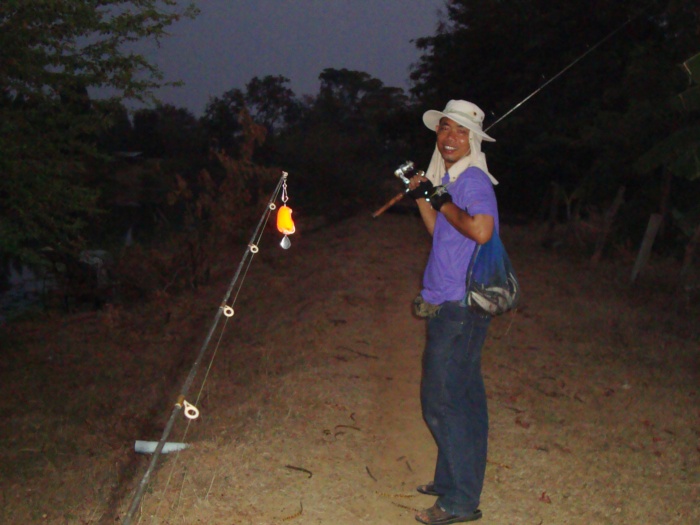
476, 194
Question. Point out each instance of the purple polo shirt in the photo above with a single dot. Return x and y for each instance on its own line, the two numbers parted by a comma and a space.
445, 275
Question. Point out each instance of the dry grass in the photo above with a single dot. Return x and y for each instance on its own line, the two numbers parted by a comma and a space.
593, 389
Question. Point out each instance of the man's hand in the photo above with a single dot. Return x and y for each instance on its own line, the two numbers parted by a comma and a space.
439, 197
420, 190
427, 213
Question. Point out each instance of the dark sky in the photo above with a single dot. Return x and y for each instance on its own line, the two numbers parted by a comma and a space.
233, 41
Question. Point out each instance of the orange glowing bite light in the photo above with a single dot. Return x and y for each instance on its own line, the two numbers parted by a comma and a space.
285, 224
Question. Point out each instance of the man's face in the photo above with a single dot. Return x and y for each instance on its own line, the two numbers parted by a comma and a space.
452, 141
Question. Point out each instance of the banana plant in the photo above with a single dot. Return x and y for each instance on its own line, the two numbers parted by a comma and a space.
690, 98
679, 155
680, 152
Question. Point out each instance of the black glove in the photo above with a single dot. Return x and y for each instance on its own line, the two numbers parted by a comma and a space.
439, 197
423, 191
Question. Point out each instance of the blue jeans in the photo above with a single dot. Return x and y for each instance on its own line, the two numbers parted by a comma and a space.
453, 399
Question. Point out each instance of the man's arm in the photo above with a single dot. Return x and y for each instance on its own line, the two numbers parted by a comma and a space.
428, 214
477, 227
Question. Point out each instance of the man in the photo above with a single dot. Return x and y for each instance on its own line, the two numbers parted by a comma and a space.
457, 203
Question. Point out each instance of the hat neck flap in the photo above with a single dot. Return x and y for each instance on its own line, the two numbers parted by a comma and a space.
436, 168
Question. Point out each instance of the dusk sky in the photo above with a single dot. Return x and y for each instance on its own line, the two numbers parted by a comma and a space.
232, 41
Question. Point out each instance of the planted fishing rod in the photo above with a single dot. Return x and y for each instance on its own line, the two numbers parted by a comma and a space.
402, 174
285, 225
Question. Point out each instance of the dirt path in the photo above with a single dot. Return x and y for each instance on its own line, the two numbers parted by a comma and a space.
593, 405
310, 410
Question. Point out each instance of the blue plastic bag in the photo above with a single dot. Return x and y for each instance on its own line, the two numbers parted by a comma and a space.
492, 287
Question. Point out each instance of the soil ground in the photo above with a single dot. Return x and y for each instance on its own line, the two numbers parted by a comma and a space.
308, 395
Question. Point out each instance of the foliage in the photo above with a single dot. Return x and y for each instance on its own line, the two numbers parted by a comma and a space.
268, 100
329, 143
271, 102
347, 140
198, 181
201, 212
680, 152
584, 131
690, 98
53, 54
167, 132
220, 120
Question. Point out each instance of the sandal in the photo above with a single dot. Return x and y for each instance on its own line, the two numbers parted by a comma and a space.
428, 489
437, 516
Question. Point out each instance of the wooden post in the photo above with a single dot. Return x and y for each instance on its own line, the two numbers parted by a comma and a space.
689, 251
553, 207
607, 225
647, 243
549, 237
665, 197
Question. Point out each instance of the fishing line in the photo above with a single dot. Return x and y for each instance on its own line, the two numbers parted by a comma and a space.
225, 310
400, 196
189, 421
569, 66
254, 242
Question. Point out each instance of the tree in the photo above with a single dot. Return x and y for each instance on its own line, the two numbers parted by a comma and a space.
583, 132
357, 103
53, 54
220, 120
168, 132
678, 155
267, 100
680, 152
270, 102
343, 145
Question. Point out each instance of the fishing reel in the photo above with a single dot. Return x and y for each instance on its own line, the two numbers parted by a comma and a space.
436, 196
403, 172
406, 171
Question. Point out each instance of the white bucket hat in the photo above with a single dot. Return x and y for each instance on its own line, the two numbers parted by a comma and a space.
471, 117
462, 112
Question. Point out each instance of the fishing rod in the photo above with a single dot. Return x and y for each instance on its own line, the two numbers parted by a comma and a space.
401, 173
285, 225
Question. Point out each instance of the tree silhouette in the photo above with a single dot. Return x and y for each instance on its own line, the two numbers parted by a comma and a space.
53, 54
585, 131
